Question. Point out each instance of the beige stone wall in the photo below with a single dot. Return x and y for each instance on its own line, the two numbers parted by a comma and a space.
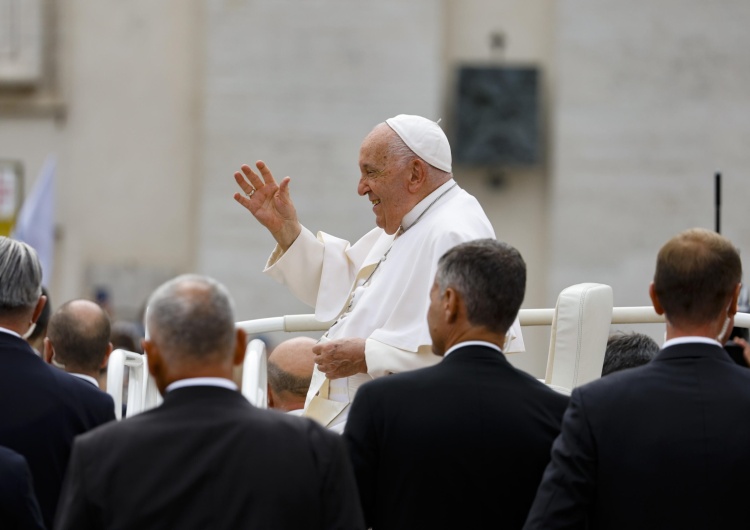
651, 100
126, 146
299, 85
164, 100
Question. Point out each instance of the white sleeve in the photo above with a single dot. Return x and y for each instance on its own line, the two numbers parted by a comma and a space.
383, 359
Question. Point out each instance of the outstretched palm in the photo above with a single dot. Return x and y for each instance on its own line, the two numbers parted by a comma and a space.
269, 202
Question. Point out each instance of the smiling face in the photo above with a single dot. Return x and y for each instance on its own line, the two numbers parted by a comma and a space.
385, 179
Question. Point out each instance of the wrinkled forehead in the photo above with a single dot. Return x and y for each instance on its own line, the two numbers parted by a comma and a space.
375, 144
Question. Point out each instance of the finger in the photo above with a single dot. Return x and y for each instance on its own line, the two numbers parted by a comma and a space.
244, 185
263, 168
284, 187
243, 200
251, 176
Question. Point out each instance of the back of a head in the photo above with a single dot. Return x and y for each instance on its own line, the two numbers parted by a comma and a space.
20, 276
628, 350
79, 332
191, 318
696, 272
125, 336
290, 366
490, 276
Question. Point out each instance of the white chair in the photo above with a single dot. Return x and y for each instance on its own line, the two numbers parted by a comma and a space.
578, 338
255, 374
142, 391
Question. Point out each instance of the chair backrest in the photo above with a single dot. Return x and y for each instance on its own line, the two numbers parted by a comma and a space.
255, 374
142, 392
578, 339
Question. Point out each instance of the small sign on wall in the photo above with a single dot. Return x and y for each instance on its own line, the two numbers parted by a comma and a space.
11, 193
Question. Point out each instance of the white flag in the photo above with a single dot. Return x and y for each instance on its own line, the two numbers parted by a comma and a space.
35, 224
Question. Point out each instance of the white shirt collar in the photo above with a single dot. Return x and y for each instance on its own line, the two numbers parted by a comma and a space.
687, 340
10, 332
472, 343
422, 205
86, 378
203, 381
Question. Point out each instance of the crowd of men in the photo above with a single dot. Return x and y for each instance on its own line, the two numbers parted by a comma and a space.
411, 415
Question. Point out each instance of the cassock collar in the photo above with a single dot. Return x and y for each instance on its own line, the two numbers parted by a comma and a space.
422, 205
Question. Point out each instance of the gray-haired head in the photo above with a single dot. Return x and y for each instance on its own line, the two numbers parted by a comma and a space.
490, 276
20, 276
192, 317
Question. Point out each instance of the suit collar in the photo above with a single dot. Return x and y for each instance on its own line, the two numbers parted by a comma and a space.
190, 393
17, 343
693, 350
475, 351
10, 332
472, 343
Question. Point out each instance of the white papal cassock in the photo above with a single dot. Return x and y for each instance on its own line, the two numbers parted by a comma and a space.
389, 309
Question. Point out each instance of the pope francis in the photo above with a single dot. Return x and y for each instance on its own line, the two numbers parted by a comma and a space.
376, 290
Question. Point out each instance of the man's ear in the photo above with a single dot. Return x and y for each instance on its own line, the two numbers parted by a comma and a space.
48, 351
451, 305
239, 347
418, 174
732, 309
106, 356
655, 299
156, 365
38, 309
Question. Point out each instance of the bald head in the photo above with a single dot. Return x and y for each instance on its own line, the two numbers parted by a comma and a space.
290, 367
78, 333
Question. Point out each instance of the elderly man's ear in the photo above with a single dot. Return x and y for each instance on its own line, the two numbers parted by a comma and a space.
418, 175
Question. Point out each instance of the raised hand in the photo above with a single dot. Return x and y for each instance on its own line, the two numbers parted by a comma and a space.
269, 202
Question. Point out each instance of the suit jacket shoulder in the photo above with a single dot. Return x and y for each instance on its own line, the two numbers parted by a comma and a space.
18, 504
209, 447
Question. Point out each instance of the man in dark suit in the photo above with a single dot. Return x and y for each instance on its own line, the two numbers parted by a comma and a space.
663, 445
41, 408
461, 444
19, 508
206, 458
78, 340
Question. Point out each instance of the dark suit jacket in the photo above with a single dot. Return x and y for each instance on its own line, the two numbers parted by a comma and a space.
462, 444
19, 508
206, 458
664, 445
42, 409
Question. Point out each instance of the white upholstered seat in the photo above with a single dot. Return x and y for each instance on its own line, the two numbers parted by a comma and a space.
578, 338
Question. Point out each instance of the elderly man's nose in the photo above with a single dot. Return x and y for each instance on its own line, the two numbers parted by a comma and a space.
362, 187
